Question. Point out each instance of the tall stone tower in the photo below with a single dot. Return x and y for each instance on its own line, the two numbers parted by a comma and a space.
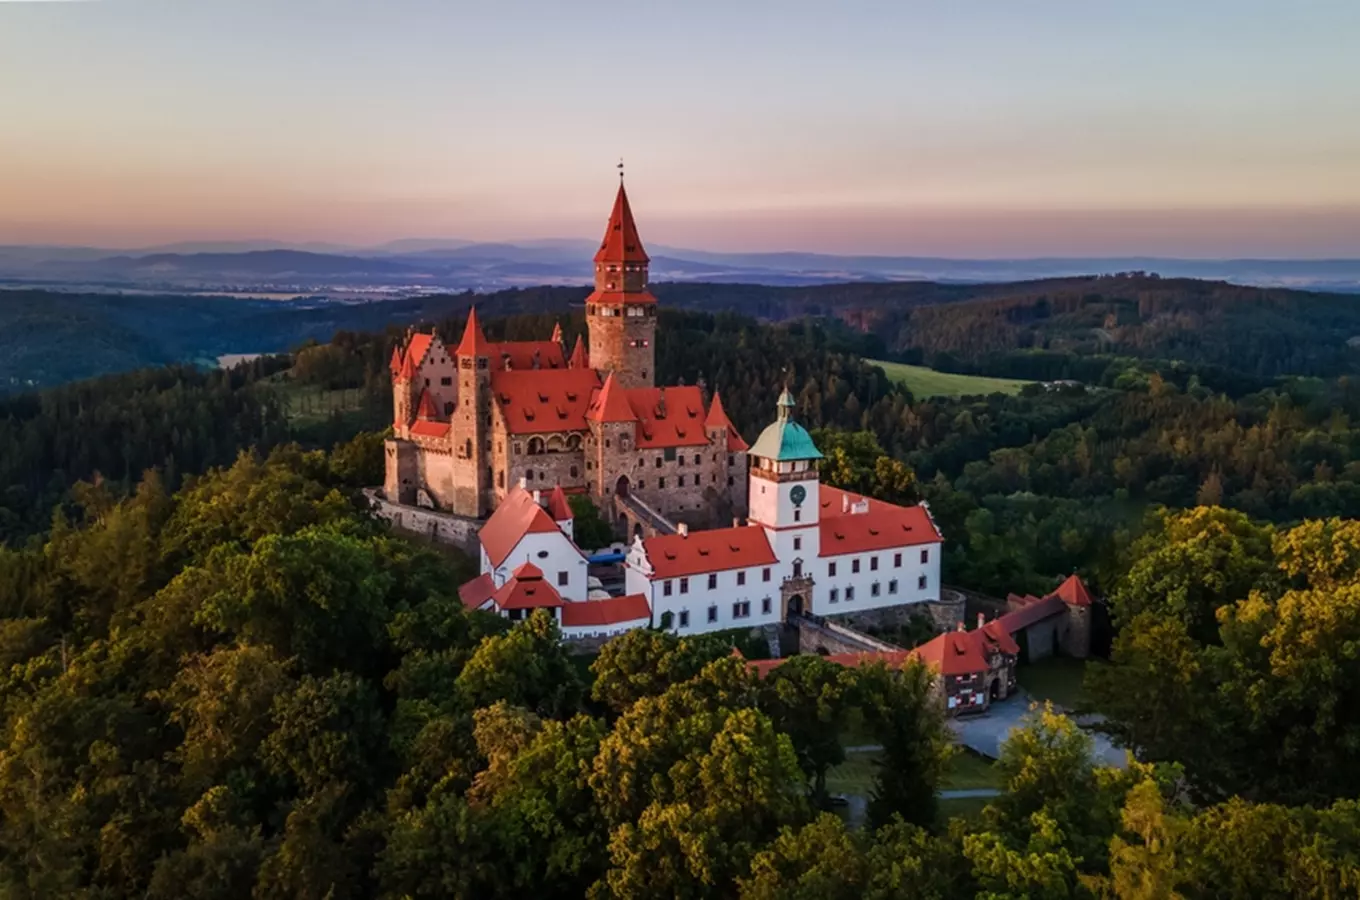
472, 422
621, 313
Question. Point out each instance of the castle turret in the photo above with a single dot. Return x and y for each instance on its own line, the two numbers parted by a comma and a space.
472, 422
621, 313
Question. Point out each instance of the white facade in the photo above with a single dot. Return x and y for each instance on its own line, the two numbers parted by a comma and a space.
709, 601
562, 563
856, 582
596, 631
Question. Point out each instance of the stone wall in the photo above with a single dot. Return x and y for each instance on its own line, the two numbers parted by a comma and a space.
446, 528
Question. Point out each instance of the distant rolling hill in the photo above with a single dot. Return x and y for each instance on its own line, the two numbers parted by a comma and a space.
1028, 330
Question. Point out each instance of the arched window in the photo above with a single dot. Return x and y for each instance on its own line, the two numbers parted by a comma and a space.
556, 444
535, 446
573, 442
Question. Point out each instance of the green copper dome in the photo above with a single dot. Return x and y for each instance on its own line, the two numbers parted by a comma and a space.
784, 439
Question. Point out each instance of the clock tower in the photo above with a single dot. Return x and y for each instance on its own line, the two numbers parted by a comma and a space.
784, 499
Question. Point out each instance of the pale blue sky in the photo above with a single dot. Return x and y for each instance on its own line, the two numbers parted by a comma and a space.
967, 129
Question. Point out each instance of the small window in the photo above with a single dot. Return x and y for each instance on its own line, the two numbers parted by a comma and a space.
925, 556
684, 585
696, 459
658, 462
669, 454
854, 566
835, 595
741, 578
681, 460
641, 484
731, 481
713, 613
575, 472
563, 579
897, 560
850, 593
765, 575
797, 515
661, 483
741, 609
797, 568
921, 583
448, 409
446, 381
765, 607
831, 570
667, 588
798, 543
730, 459
892, 586
873, 564
684, 618
680, 482
874, 589
713, 581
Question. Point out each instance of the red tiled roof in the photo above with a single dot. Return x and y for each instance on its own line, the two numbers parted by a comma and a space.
1073, 592
579, 358
517, 516
952, 653
408, 369
426, 424
674, 555
535, 401
425, 406
614, 298
474, 342
417, 348
668, 417
557, 333
526, 355
610, 404
717, 418
1027, 615
882, 527
526, 589
606, 612
476, 592
558, 507
995, 634
397, 358
621, 242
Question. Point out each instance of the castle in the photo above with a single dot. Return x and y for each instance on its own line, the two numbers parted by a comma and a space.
473, 421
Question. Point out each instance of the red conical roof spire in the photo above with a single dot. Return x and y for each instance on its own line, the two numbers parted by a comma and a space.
425, 409
579, 360
557, 333
558, 507
717, 418
610, 404
474, 342
621, 242
395, 364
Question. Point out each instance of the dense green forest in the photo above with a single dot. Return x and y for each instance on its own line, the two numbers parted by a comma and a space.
1041, 330
251, 688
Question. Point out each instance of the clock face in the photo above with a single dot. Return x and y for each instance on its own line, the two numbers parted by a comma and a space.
798, 494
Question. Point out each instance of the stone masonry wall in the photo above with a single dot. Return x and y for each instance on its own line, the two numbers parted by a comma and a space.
446, 528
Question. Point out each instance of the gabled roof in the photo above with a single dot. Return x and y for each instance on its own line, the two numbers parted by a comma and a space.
1073, 592
610, 404
408, 368
517, 516
425, 407
476, 592
537, 401
882, 526
995, 636
952, 653
699, 552
630, 608
1035, 610
474, 342
426, 423
526, 589
621, 242
397, 358
579, 358
558, 507
418, 347
717, 418
668, 417
516, 355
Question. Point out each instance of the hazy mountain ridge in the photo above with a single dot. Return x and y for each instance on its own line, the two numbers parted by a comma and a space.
433, 264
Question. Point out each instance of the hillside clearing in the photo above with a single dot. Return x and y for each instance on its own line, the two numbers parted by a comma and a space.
923, 382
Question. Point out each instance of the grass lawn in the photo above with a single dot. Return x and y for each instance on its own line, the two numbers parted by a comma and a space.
923, 382
966, 770
1057, 678
969, 770
309, 404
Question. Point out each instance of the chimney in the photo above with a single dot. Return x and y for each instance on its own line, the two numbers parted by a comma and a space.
982, 619
845, 503
736, 521
682, 529
538, 497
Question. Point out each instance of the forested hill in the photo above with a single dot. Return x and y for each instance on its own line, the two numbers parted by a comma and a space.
49, 338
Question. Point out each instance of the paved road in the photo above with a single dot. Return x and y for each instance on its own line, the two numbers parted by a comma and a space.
986, 733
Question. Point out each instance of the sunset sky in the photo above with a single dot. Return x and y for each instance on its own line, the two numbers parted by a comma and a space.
981, 129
